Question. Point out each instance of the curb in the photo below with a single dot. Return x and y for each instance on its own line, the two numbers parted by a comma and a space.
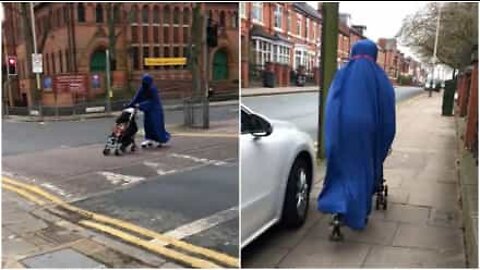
81, 117
278, 93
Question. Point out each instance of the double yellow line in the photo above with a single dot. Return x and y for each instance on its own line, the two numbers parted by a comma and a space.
123, 230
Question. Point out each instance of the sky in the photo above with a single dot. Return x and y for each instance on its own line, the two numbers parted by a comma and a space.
382, 19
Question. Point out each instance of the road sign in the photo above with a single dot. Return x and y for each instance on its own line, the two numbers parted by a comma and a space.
37, 63
166, 61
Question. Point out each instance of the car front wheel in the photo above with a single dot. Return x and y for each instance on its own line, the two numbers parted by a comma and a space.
297, 196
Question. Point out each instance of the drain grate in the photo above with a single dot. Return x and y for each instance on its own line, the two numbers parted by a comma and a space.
64, 258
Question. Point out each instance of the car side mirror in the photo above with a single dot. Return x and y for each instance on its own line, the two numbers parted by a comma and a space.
262, 127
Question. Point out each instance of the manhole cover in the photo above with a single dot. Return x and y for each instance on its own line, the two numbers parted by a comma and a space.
65, 258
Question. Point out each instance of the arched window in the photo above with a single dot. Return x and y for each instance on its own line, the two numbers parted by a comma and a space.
166, 15
156, 14
80, 12
145, 14
186, 16
176, 16
116, 13
134, 15
222, 18
99, 13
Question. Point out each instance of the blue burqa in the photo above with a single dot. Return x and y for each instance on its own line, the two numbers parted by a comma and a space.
149, 102
359, 131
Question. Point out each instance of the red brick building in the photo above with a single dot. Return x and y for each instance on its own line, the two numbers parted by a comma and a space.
73, 38
281, 37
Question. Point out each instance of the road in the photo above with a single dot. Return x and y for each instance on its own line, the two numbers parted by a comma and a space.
302, 109
187, 189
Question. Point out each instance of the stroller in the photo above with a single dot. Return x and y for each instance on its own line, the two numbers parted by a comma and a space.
381, 195
123, 134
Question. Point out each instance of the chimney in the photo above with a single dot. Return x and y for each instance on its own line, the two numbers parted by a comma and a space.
359, 28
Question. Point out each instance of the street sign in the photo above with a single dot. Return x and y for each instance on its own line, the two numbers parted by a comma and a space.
37, 63
71, 83
166, 61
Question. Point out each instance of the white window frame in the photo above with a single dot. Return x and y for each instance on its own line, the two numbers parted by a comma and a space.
289, 22
299, 26
257, 7
243, 10
278, 15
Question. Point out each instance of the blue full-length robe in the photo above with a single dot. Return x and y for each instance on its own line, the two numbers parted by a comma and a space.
149, 102
359, 131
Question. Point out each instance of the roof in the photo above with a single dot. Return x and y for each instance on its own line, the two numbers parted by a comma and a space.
307, 9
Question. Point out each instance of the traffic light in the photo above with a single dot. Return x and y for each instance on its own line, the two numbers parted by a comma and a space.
12, 65
212, 32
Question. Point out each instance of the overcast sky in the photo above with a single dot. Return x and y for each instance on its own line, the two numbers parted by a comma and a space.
382, 19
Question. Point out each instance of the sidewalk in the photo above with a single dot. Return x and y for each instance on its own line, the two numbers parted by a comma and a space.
33, 237
422, 227
252, 92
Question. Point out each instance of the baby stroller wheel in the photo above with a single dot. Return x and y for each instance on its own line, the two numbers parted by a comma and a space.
385, 191
384, 204
117, 152
377, 203
336, 234
133, 148
106, 152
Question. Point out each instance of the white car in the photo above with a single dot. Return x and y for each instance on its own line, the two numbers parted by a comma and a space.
278, 166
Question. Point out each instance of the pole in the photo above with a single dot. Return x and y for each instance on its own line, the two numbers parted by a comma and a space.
107, 72
328, 66
206, 116
34, 33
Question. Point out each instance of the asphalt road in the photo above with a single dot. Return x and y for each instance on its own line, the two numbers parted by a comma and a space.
24, 137
302, 109
188, 189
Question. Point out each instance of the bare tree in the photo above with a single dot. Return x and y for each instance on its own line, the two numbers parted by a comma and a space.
457, 36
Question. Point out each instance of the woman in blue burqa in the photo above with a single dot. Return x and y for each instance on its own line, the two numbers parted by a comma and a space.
359, 131
148, 100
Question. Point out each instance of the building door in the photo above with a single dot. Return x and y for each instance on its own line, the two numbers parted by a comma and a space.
99, 61
220, 66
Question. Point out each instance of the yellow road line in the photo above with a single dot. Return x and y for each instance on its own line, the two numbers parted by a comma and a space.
23, 193
189, 260
215, 255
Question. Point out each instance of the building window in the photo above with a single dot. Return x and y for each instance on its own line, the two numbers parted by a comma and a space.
145, 14
166, 34
186, 36
263, 52
80, 12
116, 13
156, 15
222, 18
145, 34
134, 15
145, 55
67, 58
299, 25
166, 15
47, 63
54, 68
257, 11
156, 34
176, 16
278, 16
99, 13
134, 33
235, 20
156, 53
307, 27
186, 16
289, 22
65, 15
176, 35
59, 18
135, 58
243, 9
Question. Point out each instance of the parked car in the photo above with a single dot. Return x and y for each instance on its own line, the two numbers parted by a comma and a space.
277, 171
